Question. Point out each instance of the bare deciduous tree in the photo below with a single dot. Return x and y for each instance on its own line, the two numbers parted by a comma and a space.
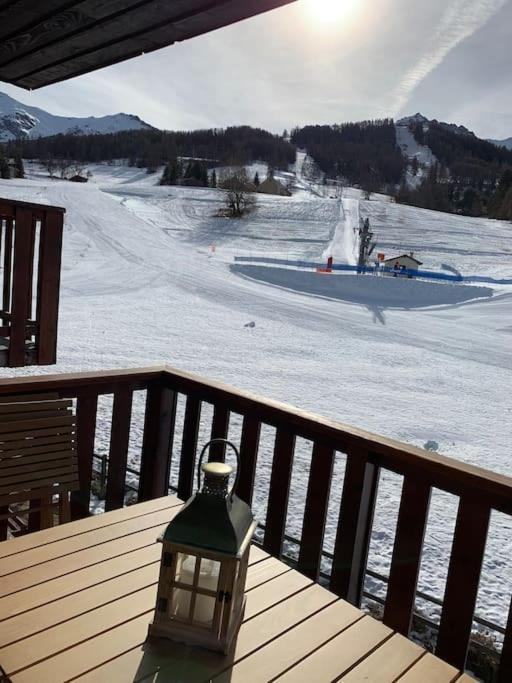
239, 197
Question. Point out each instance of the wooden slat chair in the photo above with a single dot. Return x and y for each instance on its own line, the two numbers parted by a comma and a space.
38, 463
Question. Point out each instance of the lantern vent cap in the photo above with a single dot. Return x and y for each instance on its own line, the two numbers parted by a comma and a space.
217, 469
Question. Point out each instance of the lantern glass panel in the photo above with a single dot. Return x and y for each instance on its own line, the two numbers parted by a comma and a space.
180, 606
209, 575
204, 610
185, 569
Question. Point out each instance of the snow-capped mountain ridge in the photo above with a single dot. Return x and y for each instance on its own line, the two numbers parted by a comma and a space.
20, 120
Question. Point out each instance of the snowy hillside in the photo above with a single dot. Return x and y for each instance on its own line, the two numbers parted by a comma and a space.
20, 120
143, 285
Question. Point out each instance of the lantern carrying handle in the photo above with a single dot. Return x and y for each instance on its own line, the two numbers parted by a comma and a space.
225, 442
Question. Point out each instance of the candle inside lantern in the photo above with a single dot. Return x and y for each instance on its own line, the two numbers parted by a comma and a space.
208, 579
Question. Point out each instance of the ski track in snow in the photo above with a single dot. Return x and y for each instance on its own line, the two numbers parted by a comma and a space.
141, 286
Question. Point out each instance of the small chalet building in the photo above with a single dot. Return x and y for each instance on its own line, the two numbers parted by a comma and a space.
273, 186
400, 263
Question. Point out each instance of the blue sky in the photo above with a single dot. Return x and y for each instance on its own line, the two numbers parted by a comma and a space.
316, 61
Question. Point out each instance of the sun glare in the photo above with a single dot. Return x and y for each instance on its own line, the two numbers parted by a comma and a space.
329, 10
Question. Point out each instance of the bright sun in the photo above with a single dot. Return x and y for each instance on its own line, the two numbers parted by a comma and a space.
329, 10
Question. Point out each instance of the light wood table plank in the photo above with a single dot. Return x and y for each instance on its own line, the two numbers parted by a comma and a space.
431, 669
329, 662
57, 533
283, 652
387, 663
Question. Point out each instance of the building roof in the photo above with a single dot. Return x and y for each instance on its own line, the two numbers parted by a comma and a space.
394, 258
47, 42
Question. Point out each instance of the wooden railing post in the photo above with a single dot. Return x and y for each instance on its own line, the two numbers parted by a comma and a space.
405, 563
7, 258
220, 428
189, 448
354, 527
462, 583
158, 439
279, 492
50, 249
22, 275
505, 670
87, 407
315, 513
118, 454
249, 444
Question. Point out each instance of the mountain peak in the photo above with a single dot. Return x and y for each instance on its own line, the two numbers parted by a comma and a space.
423, 120
21, 120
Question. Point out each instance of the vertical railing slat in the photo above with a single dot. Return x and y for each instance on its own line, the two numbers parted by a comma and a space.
354, 527
189, 447
249, 444
462, 583
31, 270
48, 287
505, 670
315, 513
220, 427
118, 454
20, 286
279, 491
6, 299
405, 563
86, 410
157, 442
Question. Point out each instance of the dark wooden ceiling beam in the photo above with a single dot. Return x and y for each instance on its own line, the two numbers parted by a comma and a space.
73, 38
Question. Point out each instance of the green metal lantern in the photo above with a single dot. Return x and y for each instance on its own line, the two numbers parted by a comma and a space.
205, 555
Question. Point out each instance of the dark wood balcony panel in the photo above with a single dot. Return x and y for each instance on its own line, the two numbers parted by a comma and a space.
29, 282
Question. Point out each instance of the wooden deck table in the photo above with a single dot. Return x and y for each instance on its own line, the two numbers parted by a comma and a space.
76, 600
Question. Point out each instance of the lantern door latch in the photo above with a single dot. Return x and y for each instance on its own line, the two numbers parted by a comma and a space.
224, 596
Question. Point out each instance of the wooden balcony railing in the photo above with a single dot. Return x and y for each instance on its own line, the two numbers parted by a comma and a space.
152, 421
30, 258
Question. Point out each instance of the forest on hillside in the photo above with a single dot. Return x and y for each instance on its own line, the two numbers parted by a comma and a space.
152, 148
472, 177
364, 153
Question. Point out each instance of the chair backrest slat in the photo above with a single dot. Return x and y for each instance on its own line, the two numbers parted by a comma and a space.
37, 449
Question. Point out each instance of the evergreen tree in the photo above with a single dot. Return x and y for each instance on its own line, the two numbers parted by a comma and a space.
164, 180
257, 179
4, 167
18, 165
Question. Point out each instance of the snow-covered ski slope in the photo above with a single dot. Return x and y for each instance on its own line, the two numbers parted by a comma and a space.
141, 285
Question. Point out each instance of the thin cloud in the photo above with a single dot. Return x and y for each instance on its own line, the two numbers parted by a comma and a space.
460, 20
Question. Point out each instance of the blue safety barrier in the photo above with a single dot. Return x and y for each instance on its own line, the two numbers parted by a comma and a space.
428, 274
